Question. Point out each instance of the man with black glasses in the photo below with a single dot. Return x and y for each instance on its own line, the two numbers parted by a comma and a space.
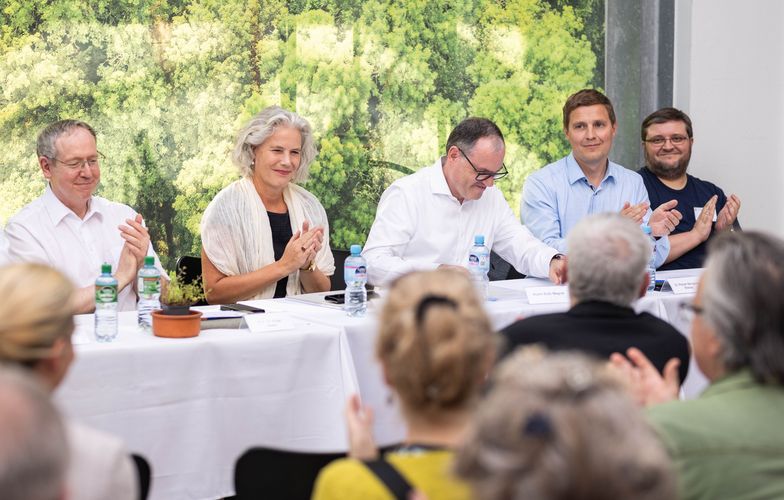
667, 138
72, 230
429, 219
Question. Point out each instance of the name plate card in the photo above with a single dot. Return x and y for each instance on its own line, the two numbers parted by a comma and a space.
682, 286
265, 322
548, 294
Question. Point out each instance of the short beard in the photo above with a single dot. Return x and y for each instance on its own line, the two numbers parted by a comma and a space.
663, 171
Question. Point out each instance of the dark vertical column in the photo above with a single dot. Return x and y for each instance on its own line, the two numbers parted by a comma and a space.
638, 68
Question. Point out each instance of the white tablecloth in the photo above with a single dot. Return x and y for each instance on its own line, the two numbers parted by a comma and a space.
193, 406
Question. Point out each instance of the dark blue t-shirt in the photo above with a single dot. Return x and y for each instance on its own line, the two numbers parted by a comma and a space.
696, 193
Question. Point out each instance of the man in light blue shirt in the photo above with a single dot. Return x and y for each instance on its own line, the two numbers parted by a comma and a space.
585, 182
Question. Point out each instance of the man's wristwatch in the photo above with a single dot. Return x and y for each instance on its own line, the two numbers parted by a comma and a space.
558, 256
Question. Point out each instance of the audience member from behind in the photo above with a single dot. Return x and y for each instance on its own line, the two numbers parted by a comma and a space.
559, 428
728, 443
72, 230
607, 274
264, 236
667, 140
36, 323
435, 346
33, 446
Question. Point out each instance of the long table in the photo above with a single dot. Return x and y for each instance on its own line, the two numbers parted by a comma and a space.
193, 406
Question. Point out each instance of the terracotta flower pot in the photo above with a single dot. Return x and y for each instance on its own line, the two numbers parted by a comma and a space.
176, 326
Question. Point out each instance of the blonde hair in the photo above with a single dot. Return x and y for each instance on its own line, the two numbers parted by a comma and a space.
435, 341
36, 309
558, 428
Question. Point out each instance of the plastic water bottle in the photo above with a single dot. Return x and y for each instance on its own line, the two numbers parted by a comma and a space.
105, 305
479, 265
149, 287
355, 275
651, 262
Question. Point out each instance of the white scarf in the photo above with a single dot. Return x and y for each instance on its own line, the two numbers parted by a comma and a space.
236, 234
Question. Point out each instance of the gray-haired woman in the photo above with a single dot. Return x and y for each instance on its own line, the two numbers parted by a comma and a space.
263, 236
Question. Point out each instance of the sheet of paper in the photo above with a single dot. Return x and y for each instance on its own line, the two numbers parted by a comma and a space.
265, 322
548, 294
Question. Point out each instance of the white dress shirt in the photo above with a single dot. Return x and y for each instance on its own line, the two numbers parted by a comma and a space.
420, 225
47, 231
4, 259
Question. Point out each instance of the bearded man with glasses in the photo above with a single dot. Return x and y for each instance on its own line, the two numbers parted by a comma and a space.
71, 229
429, 219
667, 138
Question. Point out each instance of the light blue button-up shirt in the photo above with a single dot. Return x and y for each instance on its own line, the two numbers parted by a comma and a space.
556, 197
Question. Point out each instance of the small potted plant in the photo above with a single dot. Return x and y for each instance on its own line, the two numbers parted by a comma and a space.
175, 319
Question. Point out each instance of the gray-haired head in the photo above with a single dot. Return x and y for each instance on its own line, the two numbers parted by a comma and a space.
743, 298
261, 127
561, 427
33, 447
46, 143
608, 254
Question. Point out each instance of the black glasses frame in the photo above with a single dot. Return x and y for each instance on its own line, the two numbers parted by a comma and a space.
483, 175
675, 140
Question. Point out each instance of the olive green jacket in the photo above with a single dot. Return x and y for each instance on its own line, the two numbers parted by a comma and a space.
729, 442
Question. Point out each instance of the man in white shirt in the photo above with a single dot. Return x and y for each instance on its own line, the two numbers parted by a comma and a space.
3, 250
429, 219
70, 229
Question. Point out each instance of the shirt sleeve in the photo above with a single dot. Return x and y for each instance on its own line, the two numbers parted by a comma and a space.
661, 247
23, 245
539, 212
391, 233
516, 245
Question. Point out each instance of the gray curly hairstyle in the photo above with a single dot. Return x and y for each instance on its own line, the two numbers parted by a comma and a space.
261, 127
560, 427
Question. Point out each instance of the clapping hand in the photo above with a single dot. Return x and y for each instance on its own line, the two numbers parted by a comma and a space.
359, 419
303, 247
635, 212
728, 214
647, 386
665, 219
137, 239
704, 223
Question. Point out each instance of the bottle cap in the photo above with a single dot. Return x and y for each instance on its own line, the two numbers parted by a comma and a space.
356, 249
106, 268
646, 229
149, 260
479, 239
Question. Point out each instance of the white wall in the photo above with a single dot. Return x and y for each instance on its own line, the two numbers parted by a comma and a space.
729, 77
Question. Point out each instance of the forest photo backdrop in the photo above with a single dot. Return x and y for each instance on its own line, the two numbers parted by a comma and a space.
168, 83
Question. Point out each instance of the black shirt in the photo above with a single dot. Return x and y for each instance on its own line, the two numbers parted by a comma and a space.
280, 225
601, 328
695, 194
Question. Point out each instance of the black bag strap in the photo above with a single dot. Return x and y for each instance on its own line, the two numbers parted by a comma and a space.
391, 477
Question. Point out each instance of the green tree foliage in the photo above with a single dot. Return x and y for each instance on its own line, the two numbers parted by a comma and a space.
167, 83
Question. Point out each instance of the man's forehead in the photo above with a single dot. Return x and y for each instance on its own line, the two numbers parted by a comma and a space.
589, 113
77, 140
677, 125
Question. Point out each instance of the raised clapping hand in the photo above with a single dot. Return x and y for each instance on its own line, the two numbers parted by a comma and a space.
137, 242
635, 212
137, 239
302, 247
359, 419
664, 219
647, 386
704, 223
728, 214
